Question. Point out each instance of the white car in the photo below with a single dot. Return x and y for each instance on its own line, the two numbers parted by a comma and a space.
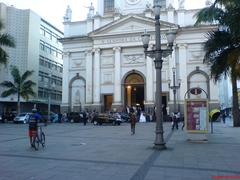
22, 118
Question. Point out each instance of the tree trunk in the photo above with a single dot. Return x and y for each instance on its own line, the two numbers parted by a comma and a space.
235, 105
18, 104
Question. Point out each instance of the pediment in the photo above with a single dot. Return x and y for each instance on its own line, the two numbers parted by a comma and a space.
130, 24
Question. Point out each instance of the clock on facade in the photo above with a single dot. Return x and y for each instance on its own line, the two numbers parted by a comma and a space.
132, 1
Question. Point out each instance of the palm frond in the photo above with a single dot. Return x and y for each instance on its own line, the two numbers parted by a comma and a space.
16, 75
209, 15
7, 84
3, 56
26, 75
217, 42
8, 92
219, 66
27, 93
1, 25
7, 40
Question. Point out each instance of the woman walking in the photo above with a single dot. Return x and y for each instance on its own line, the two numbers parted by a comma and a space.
133, 120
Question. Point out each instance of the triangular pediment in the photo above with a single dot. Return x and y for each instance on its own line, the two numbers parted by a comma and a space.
130, 24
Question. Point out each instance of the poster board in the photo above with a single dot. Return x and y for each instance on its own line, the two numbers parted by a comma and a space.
196, 115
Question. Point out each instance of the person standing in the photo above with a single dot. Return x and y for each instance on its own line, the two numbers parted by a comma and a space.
175, 121
33, 125
84, 118
133, 121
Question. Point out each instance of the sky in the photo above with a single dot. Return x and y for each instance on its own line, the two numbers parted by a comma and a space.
54, 10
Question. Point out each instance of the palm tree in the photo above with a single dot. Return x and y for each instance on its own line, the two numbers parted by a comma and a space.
20, 86
5, 40
223, 45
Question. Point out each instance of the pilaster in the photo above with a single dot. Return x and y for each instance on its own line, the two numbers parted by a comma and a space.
96, 81
89, 77
183, 69
65, 86
117, 76
149, 80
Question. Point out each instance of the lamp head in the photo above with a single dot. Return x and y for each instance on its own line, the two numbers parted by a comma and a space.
145, 39
169, 83
156, 8
171, 35
174, 70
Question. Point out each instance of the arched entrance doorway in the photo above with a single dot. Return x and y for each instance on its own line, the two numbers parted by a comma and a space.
134, 90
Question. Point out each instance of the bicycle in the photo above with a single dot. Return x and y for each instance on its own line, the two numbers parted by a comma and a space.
39, 138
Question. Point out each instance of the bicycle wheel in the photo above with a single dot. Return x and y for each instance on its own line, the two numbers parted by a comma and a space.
43, 139
36, 143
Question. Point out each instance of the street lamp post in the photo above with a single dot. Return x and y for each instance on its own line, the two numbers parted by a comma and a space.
49, 86
174, 87
158, 53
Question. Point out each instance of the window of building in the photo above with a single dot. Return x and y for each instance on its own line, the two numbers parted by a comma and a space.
42, 31
108, 6
48, 35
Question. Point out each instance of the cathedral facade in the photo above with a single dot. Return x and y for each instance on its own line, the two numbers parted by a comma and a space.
104, 65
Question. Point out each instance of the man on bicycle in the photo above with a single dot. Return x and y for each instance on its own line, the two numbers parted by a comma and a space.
33, 125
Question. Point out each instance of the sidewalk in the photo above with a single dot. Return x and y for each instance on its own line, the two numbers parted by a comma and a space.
74, 151
218, 157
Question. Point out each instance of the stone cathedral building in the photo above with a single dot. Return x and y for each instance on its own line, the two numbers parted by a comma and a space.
104, 65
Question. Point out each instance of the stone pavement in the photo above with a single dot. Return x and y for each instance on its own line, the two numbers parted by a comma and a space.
106, 152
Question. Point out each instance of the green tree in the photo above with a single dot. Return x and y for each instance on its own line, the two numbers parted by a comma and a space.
223, 45
20, 86
5, 40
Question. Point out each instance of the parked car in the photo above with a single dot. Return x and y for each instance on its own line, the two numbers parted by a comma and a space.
74, 117
101, 118
22, 118
8, 116
125, 117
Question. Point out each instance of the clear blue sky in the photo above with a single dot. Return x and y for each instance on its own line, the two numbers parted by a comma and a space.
54, 10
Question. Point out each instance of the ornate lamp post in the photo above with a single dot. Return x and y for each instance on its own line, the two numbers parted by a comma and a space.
158, 53
174, 87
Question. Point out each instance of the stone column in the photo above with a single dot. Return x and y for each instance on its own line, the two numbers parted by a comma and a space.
89, 77
65, 106
183, 70
149, 92
96, 81
117, 77
149, 80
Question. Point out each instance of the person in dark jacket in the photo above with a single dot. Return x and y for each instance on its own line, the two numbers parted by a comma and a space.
133, 120
84, 118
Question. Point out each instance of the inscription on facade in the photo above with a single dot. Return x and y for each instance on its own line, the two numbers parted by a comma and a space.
128, 39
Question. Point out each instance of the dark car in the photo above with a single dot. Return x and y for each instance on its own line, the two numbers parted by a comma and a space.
125, 117
74, 117
101, 118
8, 116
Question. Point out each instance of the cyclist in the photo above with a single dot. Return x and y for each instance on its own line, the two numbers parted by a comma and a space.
33, 125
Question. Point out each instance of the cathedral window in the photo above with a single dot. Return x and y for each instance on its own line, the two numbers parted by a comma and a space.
108, 6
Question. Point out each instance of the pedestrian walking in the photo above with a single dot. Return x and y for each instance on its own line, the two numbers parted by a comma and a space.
133, 121
84, 118
175, 120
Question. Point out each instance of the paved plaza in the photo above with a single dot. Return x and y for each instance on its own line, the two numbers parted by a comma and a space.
74, 151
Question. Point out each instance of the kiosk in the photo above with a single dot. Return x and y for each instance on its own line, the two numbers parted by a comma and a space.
196, 114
